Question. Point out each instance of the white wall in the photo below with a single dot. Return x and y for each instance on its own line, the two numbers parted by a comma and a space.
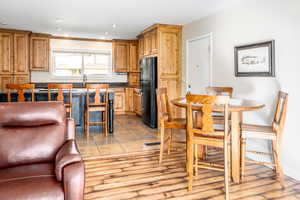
248, 22
60, 44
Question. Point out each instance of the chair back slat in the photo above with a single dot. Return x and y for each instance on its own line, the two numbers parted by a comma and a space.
20, 88
280, 112
163, 105
220, 91
97, 99
60, 91
206, 120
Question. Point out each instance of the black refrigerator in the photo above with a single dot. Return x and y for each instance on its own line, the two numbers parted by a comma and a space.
148, 87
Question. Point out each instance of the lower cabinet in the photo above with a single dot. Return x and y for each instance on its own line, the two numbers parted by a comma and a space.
5, 79
134, 79
9, 79
127, 101
137, 102
21, 79
119, 101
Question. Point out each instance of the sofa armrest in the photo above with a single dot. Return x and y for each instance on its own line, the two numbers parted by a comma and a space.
70, 129
73, 181
68, 154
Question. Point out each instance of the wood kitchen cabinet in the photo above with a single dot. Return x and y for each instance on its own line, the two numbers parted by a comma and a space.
147, 44
137, 102
129, 100
134, 79
120, 56
125, 56
6, 53
14, 57
153, 40
5, 79
141, 46
21, 79
119, 101
39, 53
133, 57
21, 52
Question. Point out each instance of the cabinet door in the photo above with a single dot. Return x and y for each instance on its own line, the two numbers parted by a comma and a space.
5, 79
137, 103
39, 54
141, 46
147, 44
6, 53
120, 56
134, 79
21, 79
153, 42
21, 53
129, 99
119, 103
133, 57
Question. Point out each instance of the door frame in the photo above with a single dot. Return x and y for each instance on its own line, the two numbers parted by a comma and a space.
210, 36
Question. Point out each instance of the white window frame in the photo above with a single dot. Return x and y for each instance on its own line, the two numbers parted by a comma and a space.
80, 77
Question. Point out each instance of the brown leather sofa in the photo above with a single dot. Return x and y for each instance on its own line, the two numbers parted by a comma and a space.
38, 155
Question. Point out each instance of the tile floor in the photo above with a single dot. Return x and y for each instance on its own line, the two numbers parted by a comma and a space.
130, 135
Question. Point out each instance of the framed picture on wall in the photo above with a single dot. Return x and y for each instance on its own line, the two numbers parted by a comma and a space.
255, 59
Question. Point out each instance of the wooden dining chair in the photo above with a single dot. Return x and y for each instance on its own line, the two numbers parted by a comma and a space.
99, 104
219, 91
166, 121
60, 89
20, 88
207, 135
272, 133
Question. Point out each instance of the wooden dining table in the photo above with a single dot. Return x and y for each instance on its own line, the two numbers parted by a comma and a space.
236, 107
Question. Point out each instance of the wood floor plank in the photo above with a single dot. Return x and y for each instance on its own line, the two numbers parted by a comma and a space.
142, 178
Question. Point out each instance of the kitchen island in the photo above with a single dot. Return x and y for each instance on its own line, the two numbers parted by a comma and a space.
78, 107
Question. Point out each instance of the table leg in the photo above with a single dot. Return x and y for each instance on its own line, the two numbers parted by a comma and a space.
236, 119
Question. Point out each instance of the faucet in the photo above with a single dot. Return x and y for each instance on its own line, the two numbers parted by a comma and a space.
84, 79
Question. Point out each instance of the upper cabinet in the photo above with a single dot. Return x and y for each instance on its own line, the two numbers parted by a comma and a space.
21, 49
133, 57
120, 56
148, 43
6, 53
39, 53
14, 53
125, 56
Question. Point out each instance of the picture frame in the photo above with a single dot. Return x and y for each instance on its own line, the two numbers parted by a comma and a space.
255, 60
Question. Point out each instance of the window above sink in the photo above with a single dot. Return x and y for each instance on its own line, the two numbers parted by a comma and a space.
78, 63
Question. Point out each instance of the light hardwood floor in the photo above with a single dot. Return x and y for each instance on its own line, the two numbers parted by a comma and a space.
120, 166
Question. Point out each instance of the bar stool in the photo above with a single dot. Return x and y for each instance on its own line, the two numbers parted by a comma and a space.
20, 88
60, 88
99, 104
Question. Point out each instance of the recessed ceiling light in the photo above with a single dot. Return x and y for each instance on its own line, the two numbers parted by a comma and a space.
114, 25
58, 20
59, 29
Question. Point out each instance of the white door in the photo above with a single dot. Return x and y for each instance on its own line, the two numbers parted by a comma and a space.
198, 66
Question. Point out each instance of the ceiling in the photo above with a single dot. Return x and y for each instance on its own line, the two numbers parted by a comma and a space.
95, 18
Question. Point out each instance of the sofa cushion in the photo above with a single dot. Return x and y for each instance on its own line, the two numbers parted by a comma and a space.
27, 171
28, 145
31, 113
34, 188
34, 182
